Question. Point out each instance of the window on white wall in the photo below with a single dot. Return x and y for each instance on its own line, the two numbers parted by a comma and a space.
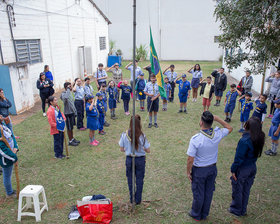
102, 43
28, 51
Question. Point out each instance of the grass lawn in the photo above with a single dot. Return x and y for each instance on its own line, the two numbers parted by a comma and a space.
101, 170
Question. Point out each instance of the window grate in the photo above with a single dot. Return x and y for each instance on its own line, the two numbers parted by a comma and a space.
28, 51
102, 43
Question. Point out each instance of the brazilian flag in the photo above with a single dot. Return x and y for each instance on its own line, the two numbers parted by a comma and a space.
155, 67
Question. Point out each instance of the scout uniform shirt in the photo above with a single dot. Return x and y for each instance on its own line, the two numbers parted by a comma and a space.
260, 110
113, 92
204, 146
246, 106
138, 71
152, 88
231, 97
171, 75
184, 87
100, 74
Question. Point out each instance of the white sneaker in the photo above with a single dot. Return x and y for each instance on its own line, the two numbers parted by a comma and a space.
44, 114
193, 100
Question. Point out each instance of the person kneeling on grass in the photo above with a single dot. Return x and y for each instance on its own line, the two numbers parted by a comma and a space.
274, 131
92, 119
152, 91
7, 157
101, 110
244, 168
201, 167
113, 96
184, 92
56, 119
142, 146
207, 91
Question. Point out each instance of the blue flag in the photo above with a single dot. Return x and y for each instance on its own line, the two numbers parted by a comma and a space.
60, 123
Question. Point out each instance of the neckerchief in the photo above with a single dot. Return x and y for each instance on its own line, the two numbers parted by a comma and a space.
208, 133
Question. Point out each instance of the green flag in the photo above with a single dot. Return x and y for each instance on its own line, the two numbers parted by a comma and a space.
155, 66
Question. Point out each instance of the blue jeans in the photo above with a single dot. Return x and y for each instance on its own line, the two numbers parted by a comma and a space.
140, 163
241, 189
203, 187
7, 176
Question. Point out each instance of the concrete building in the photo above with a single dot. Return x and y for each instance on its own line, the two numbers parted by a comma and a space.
71, 36
182, 29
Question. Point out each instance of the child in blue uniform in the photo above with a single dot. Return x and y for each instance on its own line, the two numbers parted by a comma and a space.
113, 96
126, 91
260, 110
101, 110
246, 107
168, 89
230, 101
104, 95
140, 86
184, 92
274, 130
92, 119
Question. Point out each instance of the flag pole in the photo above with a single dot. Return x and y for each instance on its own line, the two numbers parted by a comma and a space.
133, 113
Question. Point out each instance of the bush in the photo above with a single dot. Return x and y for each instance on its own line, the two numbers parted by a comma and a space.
141, 53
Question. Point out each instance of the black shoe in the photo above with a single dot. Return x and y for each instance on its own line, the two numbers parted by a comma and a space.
156, 125
270, 153
63, 156
73, 143
114, 118
106, 124
185, 111
180, 111
232, 212
150, 125
190, 214
77, 141
226, 120
102, 132
229, 120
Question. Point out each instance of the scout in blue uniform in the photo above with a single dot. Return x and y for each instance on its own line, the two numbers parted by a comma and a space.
104, 95
142, 147
171, 75
101, 110
152, 91
201, 167
184, 92
140, 86
113, 96
230, 101
92, 119
168, 89
126, 92
260, 110
244, 168
246, 107
100, 76
274, 130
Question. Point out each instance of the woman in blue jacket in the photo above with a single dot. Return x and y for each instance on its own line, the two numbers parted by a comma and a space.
7, 157
244, 168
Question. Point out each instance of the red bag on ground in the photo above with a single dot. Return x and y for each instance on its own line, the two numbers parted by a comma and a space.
95, 212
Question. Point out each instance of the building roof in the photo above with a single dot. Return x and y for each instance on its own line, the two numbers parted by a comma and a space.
100, 11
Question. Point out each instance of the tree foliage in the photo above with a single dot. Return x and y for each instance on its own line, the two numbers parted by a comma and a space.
250, 30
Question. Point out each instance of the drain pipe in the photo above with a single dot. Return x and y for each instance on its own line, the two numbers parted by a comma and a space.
10, 10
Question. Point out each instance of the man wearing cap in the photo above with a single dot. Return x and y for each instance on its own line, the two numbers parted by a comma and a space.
201, 164
220, 84
117, 75
171, 75
184, 92
100, 76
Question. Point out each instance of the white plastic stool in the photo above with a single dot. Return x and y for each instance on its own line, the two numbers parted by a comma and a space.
32, 191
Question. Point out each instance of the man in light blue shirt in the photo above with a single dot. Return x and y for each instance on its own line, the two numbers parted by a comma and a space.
152, 91
201, 168
138, 71
100, 76
79, 93
171, 75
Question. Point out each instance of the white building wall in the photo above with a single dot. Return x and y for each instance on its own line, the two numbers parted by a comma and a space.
61, 32
182, 29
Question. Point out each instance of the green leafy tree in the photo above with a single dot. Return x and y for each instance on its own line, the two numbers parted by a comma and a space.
141, 52
250, 32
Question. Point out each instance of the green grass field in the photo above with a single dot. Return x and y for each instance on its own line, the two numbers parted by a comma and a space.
167, 192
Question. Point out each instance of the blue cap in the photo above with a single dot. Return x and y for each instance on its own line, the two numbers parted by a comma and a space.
276, 101
98, 94
141, 74
89, 96
184, 76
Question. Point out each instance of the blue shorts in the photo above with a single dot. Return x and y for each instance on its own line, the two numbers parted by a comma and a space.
229, 108
271, 132
218, 92
112, 103
141, 95
183, 98
244, 117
